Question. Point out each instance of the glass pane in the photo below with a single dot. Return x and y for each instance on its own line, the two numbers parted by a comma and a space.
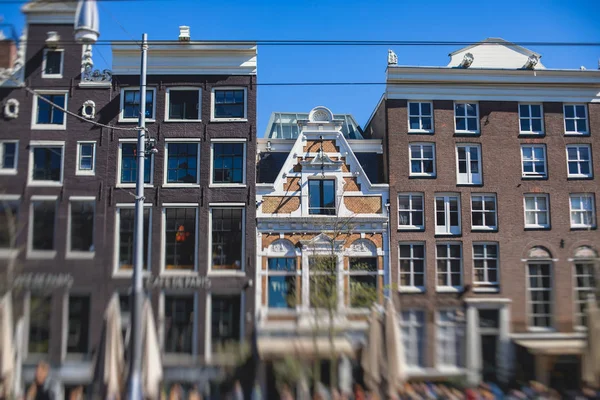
425, 109
570, 125
536, 125
459, 109
580, 111
414, 108
472, 124
471, 110
569, 111
426, 121
581, 125
461, 124
523, 110
536, 111
414, 123
428, 152
282, 291
525, 127
418, 251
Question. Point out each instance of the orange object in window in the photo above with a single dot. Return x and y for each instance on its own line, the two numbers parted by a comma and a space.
181, 234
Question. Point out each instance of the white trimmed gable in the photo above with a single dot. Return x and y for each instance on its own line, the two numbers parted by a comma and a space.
495, 53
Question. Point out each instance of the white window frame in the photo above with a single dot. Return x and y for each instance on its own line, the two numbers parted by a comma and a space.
487, 285
466, 131
267, 274
216, 272
442, 338
572, 211
420, 116
168, 103
411, 210
119, 162
484, 211
163, 239
117, 238
469, 178
41, 254
122, 104
414, 333
533, 175
421, 159
448, 287
351, 273
579, 161
212, 104
412, 288
208, 344
168, 141
34, 113
62, 64
531, 315
537, 210
86, 172
71, 254
530, 118
3, 169
7, 252
212, 152
575, 118
587, 288
447, 228
45, 143
163, 316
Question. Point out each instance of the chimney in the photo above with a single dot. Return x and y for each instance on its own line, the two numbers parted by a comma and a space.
8, 53
184, 33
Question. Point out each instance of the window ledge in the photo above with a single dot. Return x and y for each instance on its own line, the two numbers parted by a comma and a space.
229, 120
577, 134
52, 76
467, 133
408, 289
533, 177
183, 120
448, 289
583, 228
579, 177
132, 185
537, 228
479, 184
540, 329
490, 289
421, 131
484, 229
176, 272
133, 120
236, 273
414, 176
44, 183
227, 185
49, 127
9, 253
181, 185
41, 255
85, 173
80, 255
128, 274
8, 171
411, 228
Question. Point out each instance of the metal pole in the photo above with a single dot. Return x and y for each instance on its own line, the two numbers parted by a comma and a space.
135, 373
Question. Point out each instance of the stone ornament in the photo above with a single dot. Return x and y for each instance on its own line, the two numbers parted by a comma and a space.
362, 246
392, 58
88, 110
281, 246
320, 114
538, 252
89, 74
11, 108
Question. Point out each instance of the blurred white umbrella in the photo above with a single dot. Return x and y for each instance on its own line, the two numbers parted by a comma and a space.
373, 352
152, 372
592, 356
395, 373
7, 348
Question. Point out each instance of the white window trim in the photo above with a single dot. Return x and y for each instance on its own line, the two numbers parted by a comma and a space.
590, 162
469, 173
208, 350
7, 252
45, 143
411, 195
432, 130
34, 113
212, 152
125, 273
446, 288
577, 289
9, 171
528, 312
350, 274
487, 286
119, 156
533, 175
531, 132
466, 131
268, 274
460, 352
122, 104
163, 240
413, 327
421, 174
448, 227
70, 254
587, 120
216, 272
413, 289
581, 195
62, 64
212, 104
41, 254
162, 328
168, 103
166, 159
535, 195
85, 172
484, 227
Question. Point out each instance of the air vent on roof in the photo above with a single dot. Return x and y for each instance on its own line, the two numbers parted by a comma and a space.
184, 33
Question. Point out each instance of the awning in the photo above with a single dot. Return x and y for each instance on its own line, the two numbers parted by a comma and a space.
556, 347
276, 347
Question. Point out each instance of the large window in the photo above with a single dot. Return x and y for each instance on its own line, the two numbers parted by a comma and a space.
227, 233
582, 211
483, 212
180, 238
130, 104
81, 237
447, 215
53, 63
282, 282
540, 294
228, 163
182, 163
229, 104
46, 163
8, 156
125, 225
9, 213
39, 324
410, 211
363, 281
128, 164
179, 324
412, 266
449, 266
466, 117
183, 104
576, 119
537, 212
321, 194
420, 117
422, 159
531, 119
579, 161
79, 324
534, 161
42, 228
225, 320
468, 158
450, 340
323, 282
485, 265
585, 284
413, 337
86, 158
47, 115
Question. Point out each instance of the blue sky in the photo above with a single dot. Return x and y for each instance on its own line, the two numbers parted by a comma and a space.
434, 20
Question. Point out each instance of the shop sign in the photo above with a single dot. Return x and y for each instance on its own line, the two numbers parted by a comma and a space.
43, 281
177, 282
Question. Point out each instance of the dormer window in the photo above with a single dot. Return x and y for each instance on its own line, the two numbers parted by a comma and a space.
321, 193
53, 63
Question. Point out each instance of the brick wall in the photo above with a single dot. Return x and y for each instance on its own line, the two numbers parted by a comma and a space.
363, 204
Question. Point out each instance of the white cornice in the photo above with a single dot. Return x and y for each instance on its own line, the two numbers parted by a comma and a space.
55, 12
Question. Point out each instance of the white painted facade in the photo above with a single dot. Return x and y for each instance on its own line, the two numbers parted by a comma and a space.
495, 53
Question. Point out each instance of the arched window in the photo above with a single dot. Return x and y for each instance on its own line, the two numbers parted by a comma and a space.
585, 282
539, 289
363, 273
